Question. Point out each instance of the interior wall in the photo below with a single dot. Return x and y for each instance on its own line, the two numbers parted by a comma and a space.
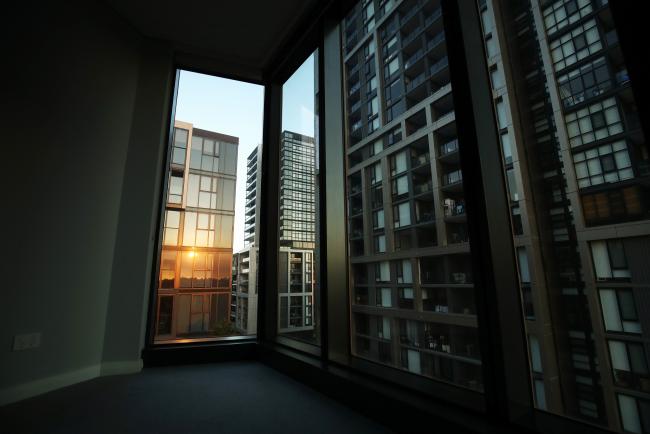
70, 99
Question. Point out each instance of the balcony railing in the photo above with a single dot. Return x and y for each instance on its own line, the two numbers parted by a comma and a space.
419, 54
440, 37
411, 36
454, 208
423, 188
439, 65
452, 177
433, 17
449, 147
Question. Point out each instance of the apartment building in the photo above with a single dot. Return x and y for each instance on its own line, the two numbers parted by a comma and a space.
193, 296
578, 176
412, 294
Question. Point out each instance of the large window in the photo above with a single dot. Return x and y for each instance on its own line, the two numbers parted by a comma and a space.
298, 261
205, 270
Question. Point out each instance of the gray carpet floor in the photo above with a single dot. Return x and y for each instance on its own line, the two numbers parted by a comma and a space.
237, 397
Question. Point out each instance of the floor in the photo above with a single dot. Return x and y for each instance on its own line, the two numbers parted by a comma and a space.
238, 397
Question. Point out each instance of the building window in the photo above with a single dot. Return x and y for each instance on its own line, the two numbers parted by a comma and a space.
405, 298
382, 271
535, 354
172, 225
565, 12
180, 146
378, 219
398, 163
575, 45
635, 413
609, 260
384, 297
496, 77
400, 186
375, 173
629, 364
598, 121
404, 271
175, 190
402, 215
506, 146
380, 243
585, 82
168, 269
522, 261
391, 68
540, 395
604, 164
612, 206
502, 116
619, 310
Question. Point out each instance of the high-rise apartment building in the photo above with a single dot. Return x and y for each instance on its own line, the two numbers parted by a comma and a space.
577, 170
195, 269
297, 241
578, 177
412, 296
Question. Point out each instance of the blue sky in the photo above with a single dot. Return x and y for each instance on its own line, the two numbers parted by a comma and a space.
236, 108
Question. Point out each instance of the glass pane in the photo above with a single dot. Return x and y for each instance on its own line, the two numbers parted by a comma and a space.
421, 215
298, 234
205, 295
583, 279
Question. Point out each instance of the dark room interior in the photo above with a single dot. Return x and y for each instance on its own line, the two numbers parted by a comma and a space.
326, 216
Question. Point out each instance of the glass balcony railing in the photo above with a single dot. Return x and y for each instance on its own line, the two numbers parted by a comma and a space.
449, 147
452, 177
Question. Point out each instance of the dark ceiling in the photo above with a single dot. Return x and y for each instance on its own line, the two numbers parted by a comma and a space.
245, 33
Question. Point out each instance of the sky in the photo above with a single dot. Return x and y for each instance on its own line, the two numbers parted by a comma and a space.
237, 108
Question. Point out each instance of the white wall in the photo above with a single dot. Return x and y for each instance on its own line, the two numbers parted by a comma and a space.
82, 113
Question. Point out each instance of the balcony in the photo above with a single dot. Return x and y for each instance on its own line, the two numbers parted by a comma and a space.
422, 188
449, 147
454, 208
452, 178
420, 160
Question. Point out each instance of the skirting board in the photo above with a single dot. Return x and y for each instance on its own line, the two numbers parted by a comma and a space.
38, 387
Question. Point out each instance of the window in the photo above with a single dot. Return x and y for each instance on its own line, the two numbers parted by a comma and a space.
595, 122
605, 164
634, 413
380, 243
382, 272
619, 310
378, 219
617, 205
629, 364
406, 298
575, 45
195, 294
609, 260
391, 68
172, 224
375, 173
535, 354
179, 146
564, 12
584, 83
400, 186
502, 117
402, 215
497, 78
398, 163
175, 195
384, 297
